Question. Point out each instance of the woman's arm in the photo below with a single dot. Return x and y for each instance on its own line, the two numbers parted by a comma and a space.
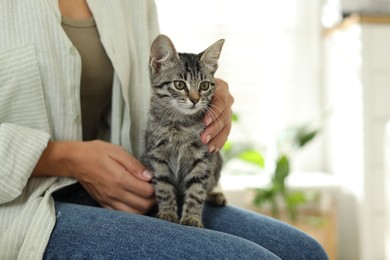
111, 175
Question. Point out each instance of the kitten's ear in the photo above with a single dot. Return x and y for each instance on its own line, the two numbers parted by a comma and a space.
211, 55
162, 54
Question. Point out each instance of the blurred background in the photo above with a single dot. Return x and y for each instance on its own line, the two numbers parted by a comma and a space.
312, 76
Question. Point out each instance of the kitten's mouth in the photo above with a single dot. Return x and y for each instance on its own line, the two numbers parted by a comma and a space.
191, 106
193, 109
190, 110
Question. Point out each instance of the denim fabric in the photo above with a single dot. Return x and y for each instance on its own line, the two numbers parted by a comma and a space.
88, 232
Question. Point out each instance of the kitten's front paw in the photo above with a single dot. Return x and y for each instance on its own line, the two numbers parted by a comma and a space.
217, 199
191, 221
168, 217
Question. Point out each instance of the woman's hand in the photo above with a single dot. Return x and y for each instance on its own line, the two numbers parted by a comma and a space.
108, 172
219, 118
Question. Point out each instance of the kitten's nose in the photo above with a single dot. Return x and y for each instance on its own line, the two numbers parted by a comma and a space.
194, 100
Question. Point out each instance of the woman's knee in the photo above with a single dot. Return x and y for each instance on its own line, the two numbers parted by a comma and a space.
283, 240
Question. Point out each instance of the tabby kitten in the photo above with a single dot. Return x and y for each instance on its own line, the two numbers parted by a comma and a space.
184, 172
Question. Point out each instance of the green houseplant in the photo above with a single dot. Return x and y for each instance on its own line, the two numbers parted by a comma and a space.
276, 194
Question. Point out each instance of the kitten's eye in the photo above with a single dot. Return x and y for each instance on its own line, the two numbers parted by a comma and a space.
180, 85
204, 86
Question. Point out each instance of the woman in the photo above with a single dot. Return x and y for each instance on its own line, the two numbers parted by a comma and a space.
74, 93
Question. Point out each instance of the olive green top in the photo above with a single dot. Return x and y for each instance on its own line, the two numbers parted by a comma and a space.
96, 76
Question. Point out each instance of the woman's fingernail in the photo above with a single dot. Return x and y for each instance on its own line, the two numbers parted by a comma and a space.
147, 174
208, 121
208, 138
212, 148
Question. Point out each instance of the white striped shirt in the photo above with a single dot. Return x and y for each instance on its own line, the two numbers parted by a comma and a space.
39, 100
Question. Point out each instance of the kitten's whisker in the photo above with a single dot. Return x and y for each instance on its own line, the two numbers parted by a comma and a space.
221, 112
216, 108
220, 123
168, 112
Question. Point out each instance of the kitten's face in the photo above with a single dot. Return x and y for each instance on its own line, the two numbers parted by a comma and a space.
184, 81
190, 87
190, 97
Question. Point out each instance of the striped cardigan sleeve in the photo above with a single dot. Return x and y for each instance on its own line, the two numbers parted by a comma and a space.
22, 113
20, 149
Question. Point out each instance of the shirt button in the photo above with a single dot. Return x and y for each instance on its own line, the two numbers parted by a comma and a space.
77, 118
72, 50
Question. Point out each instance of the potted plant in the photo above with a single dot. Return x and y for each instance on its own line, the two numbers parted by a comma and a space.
275, 193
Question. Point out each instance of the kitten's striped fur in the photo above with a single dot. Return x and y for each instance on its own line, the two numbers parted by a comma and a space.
184, 172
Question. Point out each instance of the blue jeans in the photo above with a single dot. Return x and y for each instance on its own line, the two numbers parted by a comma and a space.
90, 232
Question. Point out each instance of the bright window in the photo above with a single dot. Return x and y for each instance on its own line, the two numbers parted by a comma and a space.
271, 60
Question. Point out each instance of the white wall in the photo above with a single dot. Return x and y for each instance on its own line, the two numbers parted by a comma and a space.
345, 157
358, 87
387, 190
